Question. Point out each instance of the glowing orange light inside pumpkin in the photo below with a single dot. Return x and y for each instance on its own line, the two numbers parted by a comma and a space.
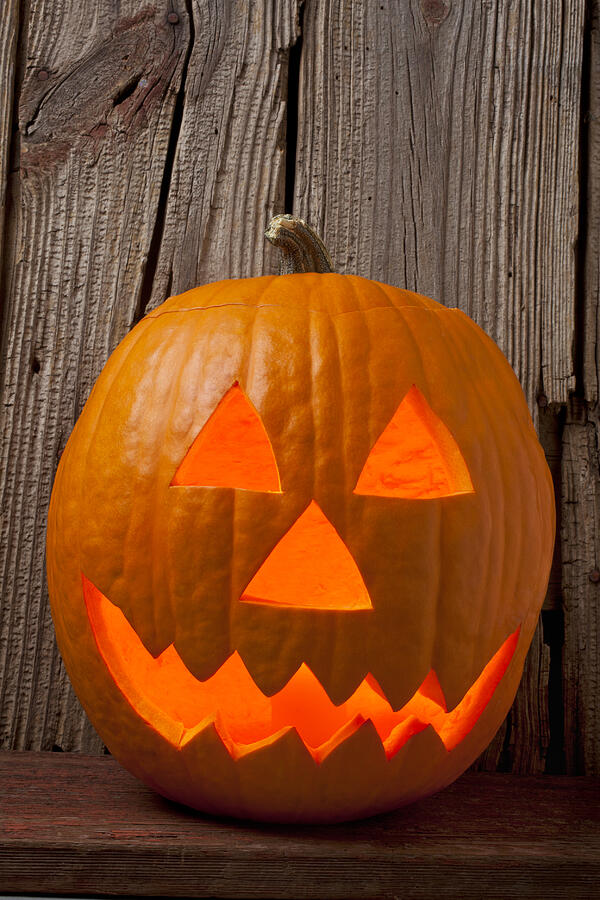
415, 456
170, 699
310, 568
232, 450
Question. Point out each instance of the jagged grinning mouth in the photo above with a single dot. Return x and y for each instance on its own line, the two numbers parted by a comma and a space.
168, 697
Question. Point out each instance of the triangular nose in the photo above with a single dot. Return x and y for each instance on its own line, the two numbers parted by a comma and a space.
310, 568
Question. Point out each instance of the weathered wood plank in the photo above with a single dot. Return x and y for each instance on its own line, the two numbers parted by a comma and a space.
81, 824
437, 150
94, 116
581, 457
116, 118
581, 587
228, 177
590, 320
9, 25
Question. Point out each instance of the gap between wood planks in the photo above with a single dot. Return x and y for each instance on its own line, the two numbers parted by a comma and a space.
159, 224
293, 89
556, 422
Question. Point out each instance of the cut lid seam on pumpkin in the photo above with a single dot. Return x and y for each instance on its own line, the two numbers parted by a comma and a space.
169, 698
158, 312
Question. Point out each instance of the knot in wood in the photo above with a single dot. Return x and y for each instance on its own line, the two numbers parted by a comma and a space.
435, 11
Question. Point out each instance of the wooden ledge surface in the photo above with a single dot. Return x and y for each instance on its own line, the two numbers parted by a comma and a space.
72, 824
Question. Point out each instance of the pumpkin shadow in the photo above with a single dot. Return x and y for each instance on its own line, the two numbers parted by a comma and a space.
368, 829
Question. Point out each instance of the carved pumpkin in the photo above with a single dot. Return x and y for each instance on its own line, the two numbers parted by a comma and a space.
298, 543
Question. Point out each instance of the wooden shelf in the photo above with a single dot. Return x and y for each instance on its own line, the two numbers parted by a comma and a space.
81, 825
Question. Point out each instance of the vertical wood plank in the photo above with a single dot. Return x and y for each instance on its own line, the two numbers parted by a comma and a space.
94, 115
580, 535
581, 587
438, 150
228, 176
152, 155
9, 26
590, 319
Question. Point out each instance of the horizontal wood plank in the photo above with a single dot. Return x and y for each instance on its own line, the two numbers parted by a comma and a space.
77, 824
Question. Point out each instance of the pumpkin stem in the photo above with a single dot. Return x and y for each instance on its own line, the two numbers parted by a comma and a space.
302, 250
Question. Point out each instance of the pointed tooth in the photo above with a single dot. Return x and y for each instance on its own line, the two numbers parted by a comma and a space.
412, 779
402, 733
191, 734
218, 791
432, 689
457, 670
271, 678
375, 686
296, 637
354, 778
148, 613
202, 657
106, 615
278, 781
455, 681
154, 642
342, 734
339, 680
397, 683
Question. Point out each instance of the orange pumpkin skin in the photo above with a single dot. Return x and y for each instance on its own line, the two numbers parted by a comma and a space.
325, 360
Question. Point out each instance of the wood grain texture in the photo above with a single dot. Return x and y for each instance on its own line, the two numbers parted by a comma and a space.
437, 151
590, 337
76, 824
93, 141
9, 27
228, 174
580, 537
581, 587
117, 115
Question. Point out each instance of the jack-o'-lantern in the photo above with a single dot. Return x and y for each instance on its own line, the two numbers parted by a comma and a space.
298, 543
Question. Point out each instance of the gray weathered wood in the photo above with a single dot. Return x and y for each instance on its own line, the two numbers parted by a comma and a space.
580, 538
581, 587
9, 25
590, 339
112, 110
94, 116
437, 150
230, 162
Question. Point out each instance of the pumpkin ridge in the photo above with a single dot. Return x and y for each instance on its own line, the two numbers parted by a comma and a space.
455, 350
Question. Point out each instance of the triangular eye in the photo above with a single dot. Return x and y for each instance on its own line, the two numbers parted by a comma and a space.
232, 450
415, 456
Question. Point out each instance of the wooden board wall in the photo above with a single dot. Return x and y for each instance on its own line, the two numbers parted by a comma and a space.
434, 143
